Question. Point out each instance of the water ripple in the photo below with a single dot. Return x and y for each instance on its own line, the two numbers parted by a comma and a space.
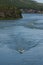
35, 24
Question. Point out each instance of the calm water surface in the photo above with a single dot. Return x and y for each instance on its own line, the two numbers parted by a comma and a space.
21, 41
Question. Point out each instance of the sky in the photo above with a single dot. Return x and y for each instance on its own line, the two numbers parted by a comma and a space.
41, 1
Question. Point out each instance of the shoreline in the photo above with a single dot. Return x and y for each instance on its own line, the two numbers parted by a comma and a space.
10, 14
9, 18
31, 11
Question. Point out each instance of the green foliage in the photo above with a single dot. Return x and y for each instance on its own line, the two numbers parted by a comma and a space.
30, 4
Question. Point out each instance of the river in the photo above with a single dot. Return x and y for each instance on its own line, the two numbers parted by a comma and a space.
21, 40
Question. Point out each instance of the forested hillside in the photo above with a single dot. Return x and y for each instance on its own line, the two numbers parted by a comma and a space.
21, 4
8, 10
11, 8
18, 3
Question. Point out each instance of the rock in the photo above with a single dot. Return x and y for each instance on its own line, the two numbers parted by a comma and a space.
21, 51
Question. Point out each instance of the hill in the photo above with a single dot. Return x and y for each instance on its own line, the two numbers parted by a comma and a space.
17, 3
21, 4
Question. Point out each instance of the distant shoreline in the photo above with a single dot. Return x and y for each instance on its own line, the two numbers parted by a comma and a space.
31, 11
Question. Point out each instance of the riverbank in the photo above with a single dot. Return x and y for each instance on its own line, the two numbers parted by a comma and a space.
10, 13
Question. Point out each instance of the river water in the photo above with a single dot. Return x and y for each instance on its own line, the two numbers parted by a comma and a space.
21, 40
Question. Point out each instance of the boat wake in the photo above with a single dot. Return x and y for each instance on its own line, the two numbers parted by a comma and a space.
35, 24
